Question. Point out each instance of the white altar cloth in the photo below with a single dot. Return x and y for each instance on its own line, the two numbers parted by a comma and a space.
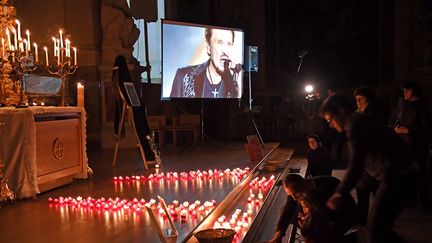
18, 146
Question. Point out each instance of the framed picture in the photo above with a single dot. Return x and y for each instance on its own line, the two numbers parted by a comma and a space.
132, 94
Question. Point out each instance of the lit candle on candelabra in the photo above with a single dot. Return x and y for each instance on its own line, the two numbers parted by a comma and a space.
3, 48
46, 56
75, 56
15, 39
55, 46
36, 55
24, 42
9, 38
18, 28
61, 38
58, 52
28, 39
67, 47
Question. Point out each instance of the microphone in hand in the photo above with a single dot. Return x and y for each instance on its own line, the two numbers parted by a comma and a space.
232, 68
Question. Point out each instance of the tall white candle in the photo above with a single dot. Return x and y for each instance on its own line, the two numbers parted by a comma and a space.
28, 40
36, 52
15, 38
9, 39
3, 48
75, 56
18, 28
80, 95
24, 42
58, 52
67, 47
61, 38
55, 46
46, 56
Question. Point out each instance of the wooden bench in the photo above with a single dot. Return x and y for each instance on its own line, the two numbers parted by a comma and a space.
185, 123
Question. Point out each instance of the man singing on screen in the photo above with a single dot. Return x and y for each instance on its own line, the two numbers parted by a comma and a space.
216, 78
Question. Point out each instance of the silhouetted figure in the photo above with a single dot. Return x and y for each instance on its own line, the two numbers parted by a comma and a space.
314, 222
367, 103
334, 142
322, 187
412, 122
318, 157
377, 150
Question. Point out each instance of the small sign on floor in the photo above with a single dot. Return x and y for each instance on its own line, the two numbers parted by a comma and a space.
254, 148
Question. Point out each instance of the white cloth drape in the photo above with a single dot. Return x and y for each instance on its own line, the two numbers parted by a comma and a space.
18, 146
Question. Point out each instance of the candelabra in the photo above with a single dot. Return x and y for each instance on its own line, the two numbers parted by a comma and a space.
22, 64
64, 64
17, 57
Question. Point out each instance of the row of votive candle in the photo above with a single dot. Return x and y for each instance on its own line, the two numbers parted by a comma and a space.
136, 205
237, 173
263, 183
240, 221
188, 210
185, 210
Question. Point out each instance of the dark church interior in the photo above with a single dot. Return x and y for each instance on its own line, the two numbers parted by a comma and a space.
216, 121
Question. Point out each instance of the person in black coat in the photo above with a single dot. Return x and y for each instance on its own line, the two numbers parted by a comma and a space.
412, 122
318, 157
367, 103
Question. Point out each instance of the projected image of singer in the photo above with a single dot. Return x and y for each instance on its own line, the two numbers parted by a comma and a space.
216, 78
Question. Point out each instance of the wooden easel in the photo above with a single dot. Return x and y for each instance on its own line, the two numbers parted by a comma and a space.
126, 107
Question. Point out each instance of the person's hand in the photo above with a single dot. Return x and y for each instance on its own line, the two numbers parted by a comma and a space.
335, 201
401, 129
300, 218
277, 238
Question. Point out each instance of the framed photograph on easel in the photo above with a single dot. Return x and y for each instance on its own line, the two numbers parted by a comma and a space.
132, 94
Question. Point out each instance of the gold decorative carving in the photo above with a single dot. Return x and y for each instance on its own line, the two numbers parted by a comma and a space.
9, 89
58, 149
5, 193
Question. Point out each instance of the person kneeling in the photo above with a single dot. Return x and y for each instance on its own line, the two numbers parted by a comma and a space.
321, 187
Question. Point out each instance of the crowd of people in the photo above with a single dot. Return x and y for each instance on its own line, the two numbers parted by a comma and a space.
387, 158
